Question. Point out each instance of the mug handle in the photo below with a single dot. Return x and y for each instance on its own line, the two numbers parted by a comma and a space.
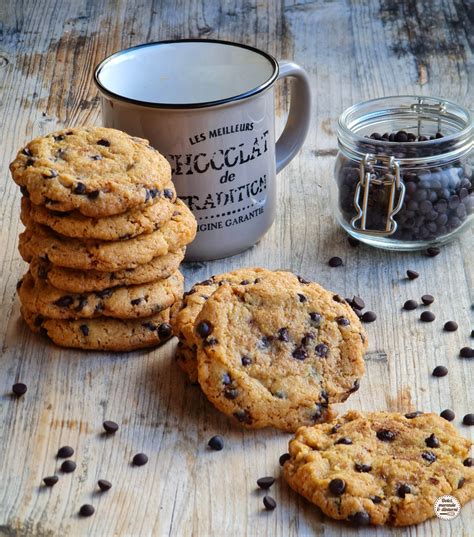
297, 124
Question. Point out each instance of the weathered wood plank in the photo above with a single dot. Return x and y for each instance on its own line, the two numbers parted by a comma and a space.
352, 51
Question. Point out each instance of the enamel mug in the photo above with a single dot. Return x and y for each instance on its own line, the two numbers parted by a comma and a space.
208, 107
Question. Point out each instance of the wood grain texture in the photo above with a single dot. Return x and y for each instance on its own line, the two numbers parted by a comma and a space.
353, 50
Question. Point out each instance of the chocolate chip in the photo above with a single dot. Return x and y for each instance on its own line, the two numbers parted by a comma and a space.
468, 419
226, 379
386, 435
86, 510
265, 482
149, 326
466, 352
440, 371
168, 193
165, 331
306, 339
337, 486
96, 157
246, 360
355, 386
427, 317
216, 443
82, 304
412, 274
461, 482
84, 329
414, 414
136, 301
335, 262
376, 499
357, 303
403, 490
64, 301
231, 393
302, 298
429, 456
104, 485
105, 293
51, 173
300, 353
448, 415
51, 480
30, 162
450, 326
303, 280
24, 191
344, 441
242, 416
321, 350
283, 334
369, 317
353, 241
362, 467
338, 298
335, 428
26, 151
140, 459
433, 251
19, 389
269, 503
361, 518
204, 329
80, 188
19, 283
65, 452
427, 299
283, 458
342, 321
264, 342
103, 142
432, 441
93, 194
110, 427
68, 466
410, 305
468, 462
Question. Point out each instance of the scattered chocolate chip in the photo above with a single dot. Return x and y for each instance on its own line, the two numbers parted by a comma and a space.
440, 371
361, 518
448, 415
283, 334
84, 329
93, 194
204, 329
357, 303
103, 142
337, 486
269, 503
265, 482
433, 251
450, 326
403, 490
165, 331
427, 317
65, 452
140, 459
104, 485
68, 466
376, 499
386, 435
64, 301
429, 456
468, 419
302, 298
216, 443
19, 389
110, 427
432, 441
344, 441
168, 193
300, 353
362, 467
51, 480
468, 462
410, 305
466, 352
246, 360
80, 188
335, 262
414, 414
412, 274
427, 299
353, 241
86, 510
369, 317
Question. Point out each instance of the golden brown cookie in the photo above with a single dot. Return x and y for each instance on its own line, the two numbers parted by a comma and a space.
95, 170
278, 352
380, 467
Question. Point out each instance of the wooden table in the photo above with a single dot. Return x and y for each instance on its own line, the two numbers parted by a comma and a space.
352, 51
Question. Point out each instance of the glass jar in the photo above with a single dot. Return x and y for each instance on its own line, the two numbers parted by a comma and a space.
403, 172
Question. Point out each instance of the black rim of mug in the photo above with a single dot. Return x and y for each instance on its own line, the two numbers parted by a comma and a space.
239, 97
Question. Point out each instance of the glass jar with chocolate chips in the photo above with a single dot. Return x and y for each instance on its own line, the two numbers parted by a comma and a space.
403, 173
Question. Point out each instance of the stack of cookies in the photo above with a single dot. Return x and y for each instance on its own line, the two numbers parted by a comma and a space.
270, 348
105, 235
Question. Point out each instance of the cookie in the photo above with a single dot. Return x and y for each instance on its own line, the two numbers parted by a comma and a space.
112, 228
40, 241
278, 352
380, 467
103, 333
193, 300
123, 302
86, 281
94, 170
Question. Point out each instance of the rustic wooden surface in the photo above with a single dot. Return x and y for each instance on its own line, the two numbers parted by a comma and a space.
352, 51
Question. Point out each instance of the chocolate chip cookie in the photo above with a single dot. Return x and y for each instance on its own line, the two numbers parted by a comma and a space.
40, 241
123, 302
112, 228
86, 281
103, 333
380, 467
94, 170
277, 352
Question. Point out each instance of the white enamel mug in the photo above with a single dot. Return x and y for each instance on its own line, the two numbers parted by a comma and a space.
208, 107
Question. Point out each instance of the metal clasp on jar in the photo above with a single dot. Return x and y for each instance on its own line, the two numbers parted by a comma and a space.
367, 178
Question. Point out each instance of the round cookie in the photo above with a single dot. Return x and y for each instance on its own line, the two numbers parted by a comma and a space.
278, 352
40, 241
84, 281
193, 300
112, 228
122, 302
380, 467
95, 170
103, 333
